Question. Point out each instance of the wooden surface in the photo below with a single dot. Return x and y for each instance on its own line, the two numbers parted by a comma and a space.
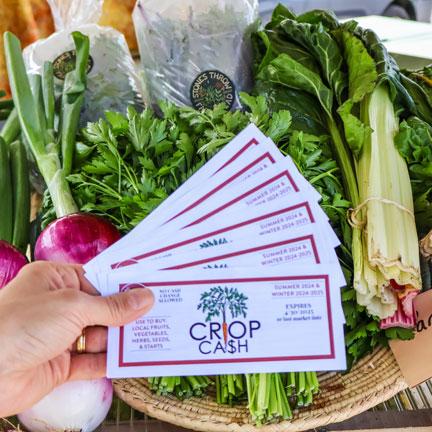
383, 421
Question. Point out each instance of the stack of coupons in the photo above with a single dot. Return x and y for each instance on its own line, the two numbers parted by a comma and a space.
241, 260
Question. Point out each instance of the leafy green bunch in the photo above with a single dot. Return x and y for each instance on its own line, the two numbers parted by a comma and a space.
125, 166
324, 73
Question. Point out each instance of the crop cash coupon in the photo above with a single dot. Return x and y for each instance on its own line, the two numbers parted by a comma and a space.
198, 237
232, 325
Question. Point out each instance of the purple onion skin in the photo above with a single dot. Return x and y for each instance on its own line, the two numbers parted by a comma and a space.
11, 262
75, 239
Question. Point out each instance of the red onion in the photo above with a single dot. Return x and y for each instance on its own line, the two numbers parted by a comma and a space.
11, 262
75, 239
78, 405
74, 406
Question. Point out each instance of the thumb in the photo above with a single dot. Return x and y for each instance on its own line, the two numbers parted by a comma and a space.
119, 309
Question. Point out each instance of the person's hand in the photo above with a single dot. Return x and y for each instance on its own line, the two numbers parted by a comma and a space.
42, 313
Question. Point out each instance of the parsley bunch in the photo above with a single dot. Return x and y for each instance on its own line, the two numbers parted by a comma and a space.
125, 166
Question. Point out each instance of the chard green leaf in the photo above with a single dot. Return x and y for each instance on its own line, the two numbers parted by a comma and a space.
288, 72
279, 14
423, 78
306, 114
315, 39
422, 97
326, 18
349, 26
356, 132
269, 45
362, 73
386, 66
362, 77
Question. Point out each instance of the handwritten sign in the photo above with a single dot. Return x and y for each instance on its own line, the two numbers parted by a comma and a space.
414, 357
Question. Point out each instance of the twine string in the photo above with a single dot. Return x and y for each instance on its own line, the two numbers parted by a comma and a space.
353, 212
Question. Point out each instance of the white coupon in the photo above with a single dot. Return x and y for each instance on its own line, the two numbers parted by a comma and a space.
306, 245
263, 222
302, 246
244, 166
275, 186
223, 323
250, 138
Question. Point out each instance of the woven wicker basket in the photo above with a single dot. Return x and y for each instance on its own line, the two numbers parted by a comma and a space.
372, 381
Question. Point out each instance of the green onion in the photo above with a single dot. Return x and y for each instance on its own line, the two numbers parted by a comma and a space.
35, 114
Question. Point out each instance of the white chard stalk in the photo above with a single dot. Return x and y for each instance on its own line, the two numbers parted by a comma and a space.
389, 235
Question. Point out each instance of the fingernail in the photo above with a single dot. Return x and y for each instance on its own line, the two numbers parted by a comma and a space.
140, 298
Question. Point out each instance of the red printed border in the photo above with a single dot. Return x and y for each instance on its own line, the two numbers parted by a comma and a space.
136, 259
332, 354
248, 145
262, 158
235, 200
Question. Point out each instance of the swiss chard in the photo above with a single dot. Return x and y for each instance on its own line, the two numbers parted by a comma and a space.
335, 105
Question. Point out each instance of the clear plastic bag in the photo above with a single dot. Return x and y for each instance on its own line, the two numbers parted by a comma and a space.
112, 80
195, 52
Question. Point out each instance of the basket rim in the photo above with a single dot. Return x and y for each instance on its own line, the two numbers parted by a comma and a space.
201, 414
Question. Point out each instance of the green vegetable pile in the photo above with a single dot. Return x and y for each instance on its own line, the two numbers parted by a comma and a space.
316, 83
126, 165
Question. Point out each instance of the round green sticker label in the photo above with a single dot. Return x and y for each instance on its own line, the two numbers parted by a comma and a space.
211, 88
